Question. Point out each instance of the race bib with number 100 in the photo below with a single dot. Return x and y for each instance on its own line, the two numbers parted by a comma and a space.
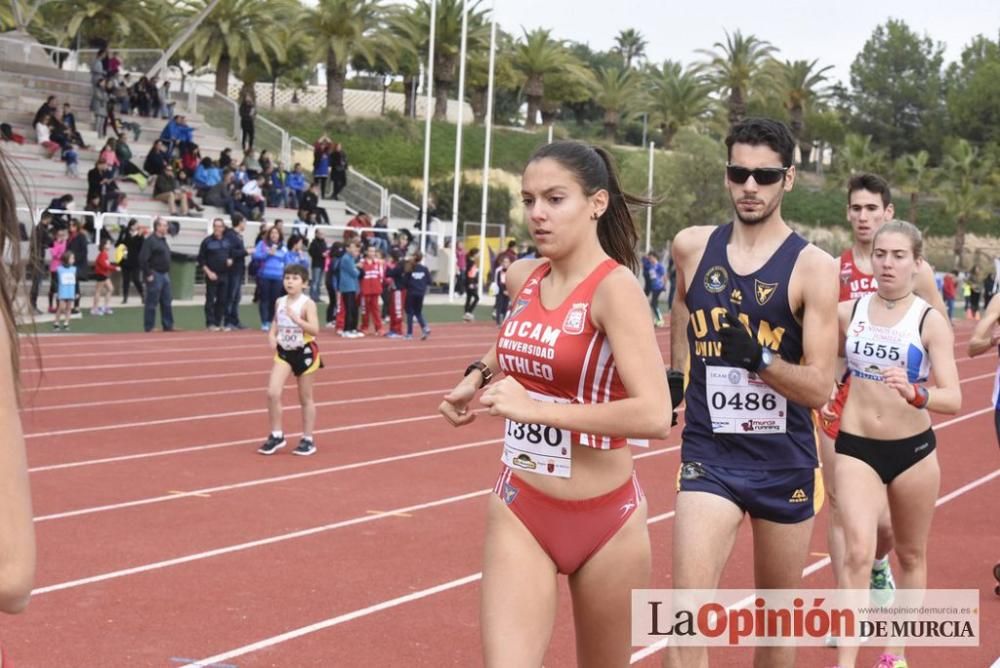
290, 338
739, 402
538, 448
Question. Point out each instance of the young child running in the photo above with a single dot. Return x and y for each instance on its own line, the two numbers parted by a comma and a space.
293, 336
66, 277
102, 277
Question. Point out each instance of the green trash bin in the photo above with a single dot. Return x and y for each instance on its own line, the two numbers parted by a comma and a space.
182, 270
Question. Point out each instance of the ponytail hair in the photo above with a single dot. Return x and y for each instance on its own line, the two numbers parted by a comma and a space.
595, 170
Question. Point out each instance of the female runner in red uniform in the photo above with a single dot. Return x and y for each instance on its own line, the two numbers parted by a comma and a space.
584, 373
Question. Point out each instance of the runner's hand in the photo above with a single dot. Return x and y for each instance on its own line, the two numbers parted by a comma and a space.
509, 399
896, 378
738, 348
455, 407
826, 412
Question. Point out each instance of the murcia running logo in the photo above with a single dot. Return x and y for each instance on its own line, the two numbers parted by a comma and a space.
575, 319
764, 291
716, 279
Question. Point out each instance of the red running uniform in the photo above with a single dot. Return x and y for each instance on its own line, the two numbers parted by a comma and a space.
853, 284
373, 278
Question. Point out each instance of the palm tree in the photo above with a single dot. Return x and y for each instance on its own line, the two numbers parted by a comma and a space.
915, 177
343, 30
965, 192
799, 83
234, 30
614, 90
631, 45
857, 156
538, 57
677, 98
413, 25
101, 18
737, 68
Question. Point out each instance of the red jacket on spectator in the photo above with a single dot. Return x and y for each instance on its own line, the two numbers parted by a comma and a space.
102, 266
948, 289
373, 276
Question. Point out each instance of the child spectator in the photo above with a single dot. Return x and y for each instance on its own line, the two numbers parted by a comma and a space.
293, 336
297, 253
44, 135
102, 278
395, 294
418, 278
373, 277
503, 299
66, 277
58, 250
270, 254
333, 255
321, 164
347, 279
317, 254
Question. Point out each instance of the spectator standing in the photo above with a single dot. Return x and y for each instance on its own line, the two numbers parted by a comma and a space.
237, 271
55, 261
471, 278
41, 239
248, 117
418, 279
395, 294
373, 278
318, 250
270, 253
347, 282
131, 237
67, 279
657, 273
989, 287
503, 298
99, 107
321, 164
154, 263
215, 259
949, 288
333, 255
972, 306
77, 245
460, 258
166, 104
103, 268
338, 169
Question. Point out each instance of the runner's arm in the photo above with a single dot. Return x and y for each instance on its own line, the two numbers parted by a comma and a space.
939, 339
982, 337
686, 251
809, 383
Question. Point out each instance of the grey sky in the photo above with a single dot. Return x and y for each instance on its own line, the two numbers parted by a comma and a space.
833, 31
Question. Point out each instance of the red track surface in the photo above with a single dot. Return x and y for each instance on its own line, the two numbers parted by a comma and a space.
163, 536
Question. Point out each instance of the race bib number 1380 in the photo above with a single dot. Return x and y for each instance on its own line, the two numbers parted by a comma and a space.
739, 402
538, 448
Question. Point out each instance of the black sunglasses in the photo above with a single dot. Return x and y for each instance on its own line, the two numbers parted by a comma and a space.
762, 176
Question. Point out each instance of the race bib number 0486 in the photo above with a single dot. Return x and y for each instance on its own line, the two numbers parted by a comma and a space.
740, 403
538, 448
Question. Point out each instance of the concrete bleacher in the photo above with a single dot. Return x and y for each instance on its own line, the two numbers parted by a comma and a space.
25, 87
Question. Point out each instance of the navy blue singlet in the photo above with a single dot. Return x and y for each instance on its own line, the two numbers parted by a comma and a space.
729, 420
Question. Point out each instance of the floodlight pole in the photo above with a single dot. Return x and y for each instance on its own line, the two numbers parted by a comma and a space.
458, 148
649, 195
489, 137
427, 130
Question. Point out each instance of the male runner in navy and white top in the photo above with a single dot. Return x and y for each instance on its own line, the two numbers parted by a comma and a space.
986, 337
753, 316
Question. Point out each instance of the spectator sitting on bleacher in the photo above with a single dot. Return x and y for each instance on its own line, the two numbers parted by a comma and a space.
226, 159
140, 97
206, 176
156, 160
101, 188
121, 95
190, 159
309, 202
359, 222
277, 194
184, 183
49, 107
240, 176
253, 196
251, 164
177, 134
68, 121
265, 160
221, 193
44, 135
166, 189
296, 183
129, 170
110, 157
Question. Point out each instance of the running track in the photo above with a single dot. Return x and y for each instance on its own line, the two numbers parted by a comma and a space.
164, 540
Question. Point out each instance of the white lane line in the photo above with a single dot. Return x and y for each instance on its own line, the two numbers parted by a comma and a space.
474, 577
214, 416
395, 512
247, 390
209, 360
263, 481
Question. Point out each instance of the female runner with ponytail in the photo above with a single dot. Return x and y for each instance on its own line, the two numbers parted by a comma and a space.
584, 374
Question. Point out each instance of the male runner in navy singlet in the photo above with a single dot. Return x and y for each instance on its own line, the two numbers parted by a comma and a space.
753, 317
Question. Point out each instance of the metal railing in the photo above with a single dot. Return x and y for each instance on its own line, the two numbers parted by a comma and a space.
29, 52
401, 210
363, 194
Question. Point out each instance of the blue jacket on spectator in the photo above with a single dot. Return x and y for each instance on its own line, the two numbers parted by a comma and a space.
656, 274
418, 280
237, 251
322, 167
174, 131
298, 258
272, 266
347, 274
213, 253
297, 182
206, 177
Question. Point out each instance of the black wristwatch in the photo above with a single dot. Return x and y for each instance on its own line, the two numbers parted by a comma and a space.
483, 369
